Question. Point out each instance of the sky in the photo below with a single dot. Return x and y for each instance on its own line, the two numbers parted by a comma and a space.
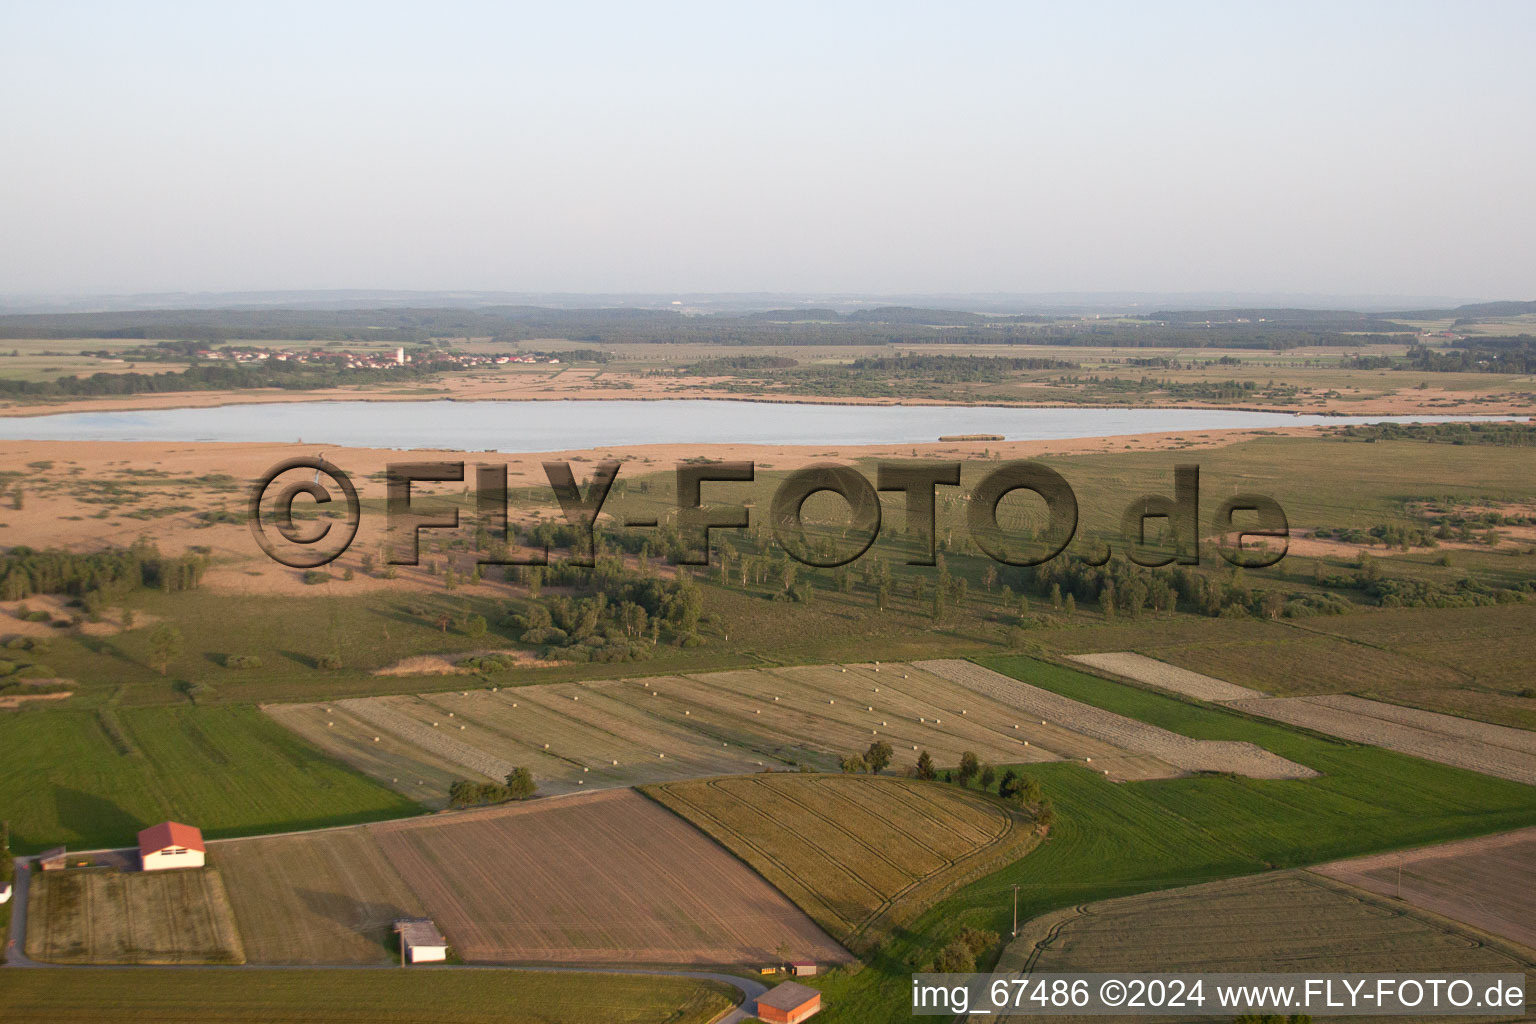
1328, 148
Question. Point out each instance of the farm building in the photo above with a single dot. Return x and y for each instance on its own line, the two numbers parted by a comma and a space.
52, 860
171, 844
803, 969
420, 941
788, 1003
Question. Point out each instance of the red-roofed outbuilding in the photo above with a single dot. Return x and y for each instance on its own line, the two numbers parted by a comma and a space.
171, 844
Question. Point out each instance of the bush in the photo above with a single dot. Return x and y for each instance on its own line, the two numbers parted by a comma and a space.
955, 958
1529, 693
313, 576
328, 662
35, 672
487, 663
519, 785
7, 667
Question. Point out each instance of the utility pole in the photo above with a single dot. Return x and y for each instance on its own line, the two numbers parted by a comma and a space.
1015, 911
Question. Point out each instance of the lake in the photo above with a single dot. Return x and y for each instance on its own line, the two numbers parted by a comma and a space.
562, 425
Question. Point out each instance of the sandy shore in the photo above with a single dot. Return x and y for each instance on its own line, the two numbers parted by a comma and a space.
611, 385
84, 496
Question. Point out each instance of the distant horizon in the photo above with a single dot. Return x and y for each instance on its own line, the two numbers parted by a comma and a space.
1063, 302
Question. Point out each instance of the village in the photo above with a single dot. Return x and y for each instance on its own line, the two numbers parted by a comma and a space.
256, 355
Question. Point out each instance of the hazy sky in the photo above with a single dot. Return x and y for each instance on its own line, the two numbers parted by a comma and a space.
1332, 147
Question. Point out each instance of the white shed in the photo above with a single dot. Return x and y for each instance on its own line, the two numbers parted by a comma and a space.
420, 941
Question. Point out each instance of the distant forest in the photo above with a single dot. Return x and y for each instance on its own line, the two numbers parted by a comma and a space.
898, 325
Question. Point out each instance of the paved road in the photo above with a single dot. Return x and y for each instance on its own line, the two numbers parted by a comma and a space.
16, 956
15, 943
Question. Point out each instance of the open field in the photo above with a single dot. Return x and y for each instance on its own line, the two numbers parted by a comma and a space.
1489, 883
602, 878
606, 733
1476, 746
94, 778
1142, 669
1118, 840
322, 898
1185, 753
858, 854
1280, 921
94, 916
253, 996
1289, 921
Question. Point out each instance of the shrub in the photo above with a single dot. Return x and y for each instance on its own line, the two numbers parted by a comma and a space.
242, 661
35, 672
328, 661
955, 958
313, 576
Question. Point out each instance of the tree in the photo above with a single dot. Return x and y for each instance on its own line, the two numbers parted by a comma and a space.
165, 644
853, 764
989, 578
475, 625
925, 769
955, 958
1071, 605
878, 756
970, 765
988, 776
520, 784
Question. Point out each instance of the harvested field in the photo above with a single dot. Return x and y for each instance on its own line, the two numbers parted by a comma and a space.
611, 733
1488, 883
597, 878
1460, 742
74, 995
1188, 754
98, 916
1291, 921
319, 898
860, 854
1139, 668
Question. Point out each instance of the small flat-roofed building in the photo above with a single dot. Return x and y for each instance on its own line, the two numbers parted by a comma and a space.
788, 1003
420, 941
171, 844
803, 969
52, 860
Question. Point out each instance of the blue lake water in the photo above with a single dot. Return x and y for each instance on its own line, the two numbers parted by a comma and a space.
561, 425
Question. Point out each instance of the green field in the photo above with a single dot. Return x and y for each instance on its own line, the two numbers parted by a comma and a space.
1120, 839
421, 996
94, 778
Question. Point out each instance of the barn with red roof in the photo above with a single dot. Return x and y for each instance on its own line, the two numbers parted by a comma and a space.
171, 844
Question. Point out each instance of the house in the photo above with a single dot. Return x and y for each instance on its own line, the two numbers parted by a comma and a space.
803, 969
171, 844
420, 941
788, 1003
52, 860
